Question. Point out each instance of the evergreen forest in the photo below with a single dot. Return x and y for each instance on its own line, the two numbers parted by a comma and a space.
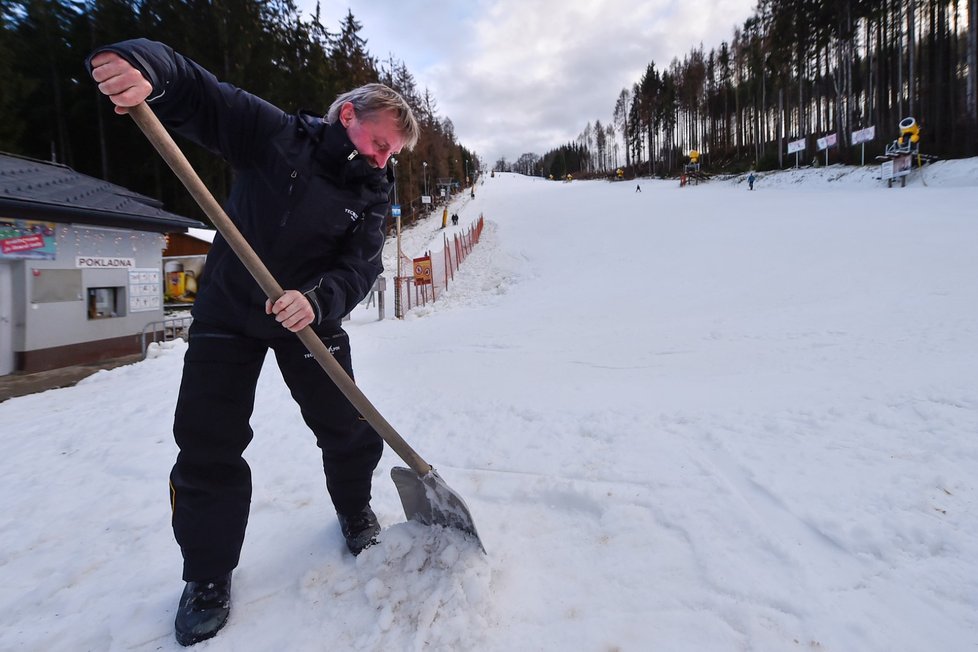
50, 108
795, 69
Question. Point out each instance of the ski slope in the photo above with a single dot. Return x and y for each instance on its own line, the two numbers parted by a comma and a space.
683, 419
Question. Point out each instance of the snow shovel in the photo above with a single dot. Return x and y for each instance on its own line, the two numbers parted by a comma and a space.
425, 496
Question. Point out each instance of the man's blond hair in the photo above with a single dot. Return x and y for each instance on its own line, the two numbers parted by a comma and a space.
372, 99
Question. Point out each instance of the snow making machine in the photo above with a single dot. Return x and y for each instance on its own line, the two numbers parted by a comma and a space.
693, 172
898, 159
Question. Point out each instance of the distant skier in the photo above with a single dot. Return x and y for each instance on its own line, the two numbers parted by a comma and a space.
454, 219
750, 181
638, 187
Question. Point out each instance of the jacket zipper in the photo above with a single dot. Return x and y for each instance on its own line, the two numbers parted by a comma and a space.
288, 208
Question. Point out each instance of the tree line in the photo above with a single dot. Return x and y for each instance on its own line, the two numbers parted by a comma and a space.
796, 69
50, 108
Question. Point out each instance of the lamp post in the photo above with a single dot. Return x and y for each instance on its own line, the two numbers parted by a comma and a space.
424, 174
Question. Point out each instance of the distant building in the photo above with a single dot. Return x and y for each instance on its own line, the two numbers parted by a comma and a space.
81, 270
183, 264
195, 242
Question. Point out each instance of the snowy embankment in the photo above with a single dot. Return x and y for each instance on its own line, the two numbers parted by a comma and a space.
684, 419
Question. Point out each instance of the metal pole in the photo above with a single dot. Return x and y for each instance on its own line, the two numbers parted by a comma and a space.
397, 220
394, 174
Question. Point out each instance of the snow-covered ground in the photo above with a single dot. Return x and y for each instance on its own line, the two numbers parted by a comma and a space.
683, 419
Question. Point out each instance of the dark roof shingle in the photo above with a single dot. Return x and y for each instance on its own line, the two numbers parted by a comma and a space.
38, 190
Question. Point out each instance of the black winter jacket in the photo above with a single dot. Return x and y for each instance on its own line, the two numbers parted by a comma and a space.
309, 206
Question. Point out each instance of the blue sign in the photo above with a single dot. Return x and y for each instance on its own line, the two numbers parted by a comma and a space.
396, 210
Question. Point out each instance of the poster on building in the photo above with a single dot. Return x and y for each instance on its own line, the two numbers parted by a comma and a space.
180, 277
145, 290
27, 239
422, 270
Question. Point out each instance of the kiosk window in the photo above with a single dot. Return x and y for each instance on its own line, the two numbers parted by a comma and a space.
104, 303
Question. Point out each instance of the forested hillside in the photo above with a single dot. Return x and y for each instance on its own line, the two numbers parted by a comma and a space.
795, 69
51, 110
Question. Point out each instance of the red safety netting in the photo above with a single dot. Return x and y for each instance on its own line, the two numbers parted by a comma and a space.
431, 273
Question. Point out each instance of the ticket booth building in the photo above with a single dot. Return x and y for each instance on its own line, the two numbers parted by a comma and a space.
81, 271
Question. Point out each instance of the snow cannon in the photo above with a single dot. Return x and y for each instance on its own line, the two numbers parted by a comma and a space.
908, 141
909, 127
694, 157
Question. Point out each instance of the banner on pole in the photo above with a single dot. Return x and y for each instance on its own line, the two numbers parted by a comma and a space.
826, 141
796, 146
864, 135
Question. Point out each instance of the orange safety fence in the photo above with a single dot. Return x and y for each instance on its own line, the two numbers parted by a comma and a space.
429, 275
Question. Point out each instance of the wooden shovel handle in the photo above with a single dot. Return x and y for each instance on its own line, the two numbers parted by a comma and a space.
171, 153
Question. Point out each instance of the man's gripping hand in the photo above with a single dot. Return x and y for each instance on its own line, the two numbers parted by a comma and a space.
120, 81
292, 310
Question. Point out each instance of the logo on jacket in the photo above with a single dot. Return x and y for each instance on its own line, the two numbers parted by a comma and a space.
333, 350
352, 213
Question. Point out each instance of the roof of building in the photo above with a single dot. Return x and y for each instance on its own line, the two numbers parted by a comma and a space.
38, 190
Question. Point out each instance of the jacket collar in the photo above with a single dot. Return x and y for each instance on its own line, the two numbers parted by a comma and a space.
335, 152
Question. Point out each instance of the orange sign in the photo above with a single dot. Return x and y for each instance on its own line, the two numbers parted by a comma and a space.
422, 270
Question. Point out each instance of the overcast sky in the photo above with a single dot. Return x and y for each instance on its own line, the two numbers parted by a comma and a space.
518, 76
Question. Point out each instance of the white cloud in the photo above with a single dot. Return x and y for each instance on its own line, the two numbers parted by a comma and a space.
518, 76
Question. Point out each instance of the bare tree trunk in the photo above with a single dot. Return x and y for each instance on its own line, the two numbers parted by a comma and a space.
911, 45
868, 107
100, 105
763, 117
900, 41
849, 52
972, 117
740, 121
780, 128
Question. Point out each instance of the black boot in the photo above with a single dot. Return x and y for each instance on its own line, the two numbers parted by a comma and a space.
360, 530
204, 608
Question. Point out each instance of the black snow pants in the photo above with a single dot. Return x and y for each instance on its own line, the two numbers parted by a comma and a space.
210, 485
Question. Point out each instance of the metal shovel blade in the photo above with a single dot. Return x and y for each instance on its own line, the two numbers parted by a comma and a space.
428, 500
